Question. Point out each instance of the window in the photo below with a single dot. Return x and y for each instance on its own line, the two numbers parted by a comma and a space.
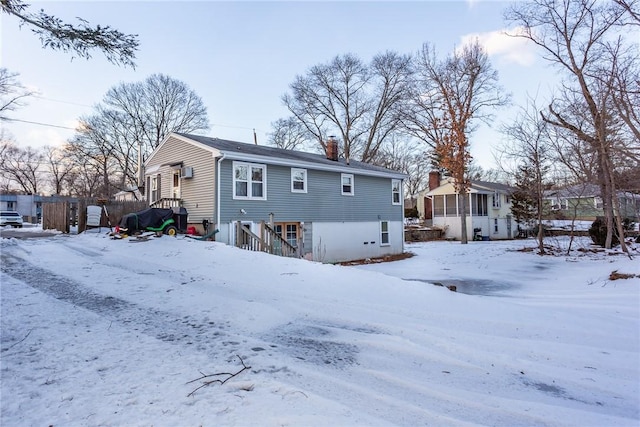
467, 200
154, 188
560, 204
249, 181
598, 202
438, 205
298, 180
451, 209
495, 225
11, 206
395, 191
478, 204
288, 231
384, 233
496, 200
347, 184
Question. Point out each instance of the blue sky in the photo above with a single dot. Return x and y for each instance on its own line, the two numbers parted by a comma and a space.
240, 57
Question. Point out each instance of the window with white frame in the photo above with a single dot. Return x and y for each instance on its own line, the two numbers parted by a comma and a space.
154, 188
496, 200
298, 180
598, 203
347, 184
560, 205
396, 191
384, 233
249, 181
495, 225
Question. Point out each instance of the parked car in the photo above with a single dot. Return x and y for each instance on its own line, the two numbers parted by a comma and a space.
11, 218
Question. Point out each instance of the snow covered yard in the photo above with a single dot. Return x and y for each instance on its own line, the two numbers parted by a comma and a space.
104, 332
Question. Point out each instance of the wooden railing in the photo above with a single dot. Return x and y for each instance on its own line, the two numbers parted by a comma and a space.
268, 241
166, 203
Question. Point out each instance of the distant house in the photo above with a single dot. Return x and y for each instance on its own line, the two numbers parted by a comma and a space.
583, 202
488, 209
329, 209
27, 205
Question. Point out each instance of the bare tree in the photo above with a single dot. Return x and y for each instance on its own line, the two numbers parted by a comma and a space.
80, 39
22, 166
132, 120
583, 39
450, 96
408, 156
12, 93
351, 100
289, 134
526, 156
60, 166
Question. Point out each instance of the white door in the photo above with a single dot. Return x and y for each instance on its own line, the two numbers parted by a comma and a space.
175, 189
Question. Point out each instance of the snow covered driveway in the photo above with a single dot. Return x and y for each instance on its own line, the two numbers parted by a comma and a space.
104, 332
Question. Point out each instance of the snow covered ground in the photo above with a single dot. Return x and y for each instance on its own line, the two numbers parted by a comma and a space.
112, 332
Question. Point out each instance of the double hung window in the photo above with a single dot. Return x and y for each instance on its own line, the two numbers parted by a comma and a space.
249, 181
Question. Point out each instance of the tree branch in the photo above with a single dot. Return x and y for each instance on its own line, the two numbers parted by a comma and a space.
217, 380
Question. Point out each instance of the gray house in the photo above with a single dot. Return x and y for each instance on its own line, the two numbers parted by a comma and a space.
328, 209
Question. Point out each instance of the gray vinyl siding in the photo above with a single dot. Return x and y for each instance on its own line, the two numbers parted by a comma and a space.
322, 202
198, 193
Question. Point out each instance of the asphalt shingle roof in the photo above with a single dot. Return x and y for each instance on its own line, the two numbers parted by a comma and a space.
227, 146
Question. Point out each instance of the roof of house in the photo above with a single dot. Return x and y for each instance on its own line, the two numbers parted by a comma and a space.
235, 149
585, 190
480, 186
491, 186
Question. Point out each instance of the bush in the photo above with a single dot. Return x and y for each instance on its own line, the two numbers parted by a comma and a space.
411, 212
598, 231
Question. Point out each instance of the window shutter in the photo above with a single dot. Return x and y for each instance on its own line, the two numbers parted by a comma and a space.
159, 178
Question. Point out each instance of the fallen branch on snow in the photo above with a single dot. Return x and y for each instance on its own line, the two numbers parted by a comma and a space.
217, 380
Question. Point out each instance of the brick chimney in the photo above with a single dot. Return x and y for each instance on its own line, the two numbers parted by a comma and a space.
434, 179
332, 149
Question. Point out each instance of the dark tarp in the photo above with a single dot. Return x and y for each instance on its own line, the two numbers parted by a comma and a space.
138, 221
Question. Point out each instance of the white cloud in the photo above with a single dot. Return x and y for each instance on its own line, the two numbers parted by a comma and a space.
506, 48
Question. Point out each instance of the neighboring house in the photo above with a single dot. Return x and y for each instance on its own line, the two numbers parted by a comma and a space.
330, 209
27, 205
488, 209
583, 202
129, 195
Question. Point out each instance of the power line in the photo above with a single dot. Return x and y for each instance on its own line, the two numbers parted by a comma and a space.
62, 102
38, 123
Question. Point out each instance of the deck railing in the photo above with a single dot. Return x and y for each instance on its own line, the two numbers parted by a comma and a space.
166, 203
268, 241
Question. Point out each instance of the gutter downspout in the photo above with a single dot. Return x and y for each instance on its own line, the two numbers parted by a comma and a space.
218, 193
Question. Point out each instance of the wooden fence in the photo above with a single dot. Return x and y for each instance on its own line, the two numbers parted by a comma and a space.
62, 216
